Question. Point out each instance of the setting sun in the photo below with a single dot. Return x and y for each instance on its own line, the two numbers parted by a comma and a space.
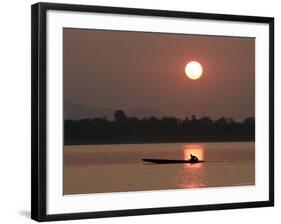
193, 70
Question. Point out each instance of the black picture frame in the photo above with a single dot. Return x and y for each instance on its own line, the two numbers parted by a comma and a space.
39, 125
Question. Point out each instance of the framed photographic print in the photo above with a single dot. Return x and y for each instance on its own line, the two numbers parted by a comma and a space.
139, 111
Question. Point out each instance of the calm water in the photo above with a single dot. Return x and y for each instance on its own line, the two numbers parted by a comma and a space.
119, 168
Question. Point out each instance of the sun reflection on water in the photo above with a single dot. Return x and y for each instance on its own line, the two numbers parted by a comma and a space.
192, 174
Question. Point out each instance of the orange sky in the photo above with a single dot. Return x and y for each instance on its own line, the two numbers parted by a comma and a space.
145, 71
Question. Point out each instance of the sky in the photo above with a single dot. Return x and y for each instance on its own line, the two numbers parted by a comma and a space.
143, 73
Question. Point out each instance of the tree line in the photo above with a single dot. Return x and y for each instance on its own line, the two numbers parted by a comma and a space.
124, 129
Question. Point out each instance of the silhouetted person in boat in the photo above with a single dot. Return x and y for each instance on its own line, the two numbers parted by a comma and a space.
193, 158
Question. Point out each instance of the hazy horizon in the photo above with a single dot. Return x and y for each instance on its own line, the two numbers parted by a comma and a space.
78, 111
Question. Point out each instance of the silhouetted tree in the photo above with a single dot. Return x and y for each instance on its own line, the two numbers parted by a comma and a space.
221, 125
132, 129
119, 115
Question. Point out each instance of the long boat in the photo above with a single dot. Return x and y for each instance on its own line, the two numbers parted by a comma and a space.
167, 161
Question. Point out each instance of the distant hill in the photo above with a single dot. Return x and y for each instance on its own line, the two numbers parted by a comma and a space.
74, 111
141, 113
78, 111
